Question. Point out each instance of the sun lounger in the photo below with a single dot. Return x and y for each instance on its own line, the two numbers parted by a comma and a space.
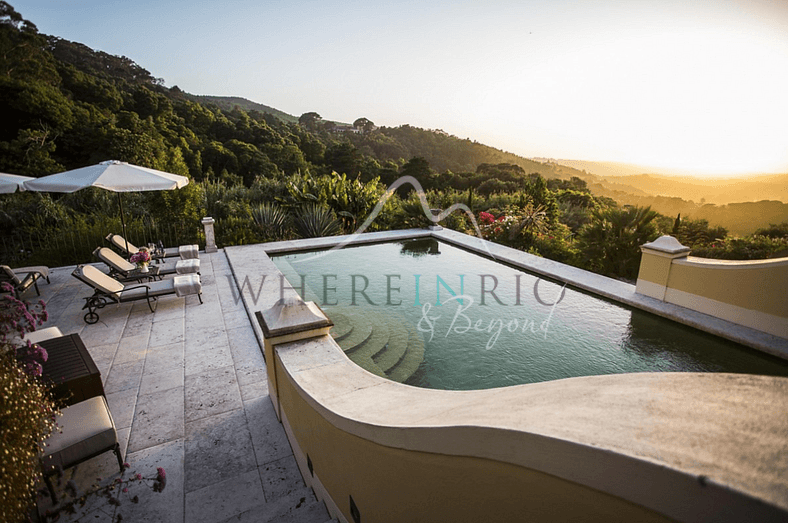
185, 252
21, 280
109, 290
123, 269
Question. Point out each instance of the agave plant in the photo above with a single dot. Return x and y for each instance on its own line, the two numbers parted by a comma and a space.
272, 220
314, 220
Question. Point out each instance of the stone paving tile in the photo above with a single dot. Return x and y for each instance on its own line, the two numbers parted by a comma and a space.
281, 478
131, 348
205, 338
211, 358
211, 393
164, 358
225, 499
166, 332
124, 376
217, 448
305, 509
121, 405
169, 310
139, 322
158, 419
158, 507
268, 435
102, 352
161, 381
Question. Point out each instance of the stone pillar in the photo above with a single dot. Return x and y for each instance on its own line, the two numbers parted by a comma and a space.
290, 319
655, 264
435, 226
210, 238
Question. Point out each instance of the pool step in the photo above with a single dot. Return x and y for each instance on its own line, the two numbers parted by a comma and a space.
361, 332
410, 361
383, 343
398, 344
342, 325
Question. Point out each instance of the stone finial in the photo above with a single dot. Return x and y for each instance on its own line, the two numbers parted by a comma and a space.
293, 316
667, 245
210, 237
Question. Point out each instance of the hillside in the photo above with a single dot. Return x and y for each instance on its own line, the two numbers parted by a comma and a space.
227, 103
446, 152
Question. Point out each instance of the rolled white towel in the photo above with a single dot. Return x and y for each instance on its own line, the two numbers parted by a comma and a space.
187, 284
189, 266
189, 251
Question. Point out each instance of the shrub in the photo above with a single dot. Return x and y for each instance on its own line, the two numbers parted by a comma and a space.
314, 220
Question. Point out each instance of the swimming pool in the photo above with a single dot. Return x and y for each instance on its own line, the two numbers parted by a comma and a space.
433, 315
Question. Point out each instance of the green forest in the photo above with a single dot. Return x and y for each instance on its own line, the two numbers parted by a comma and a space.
264, 175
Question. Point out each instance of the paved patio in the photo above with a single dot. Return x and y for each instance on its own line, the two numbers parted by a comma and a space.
187, 389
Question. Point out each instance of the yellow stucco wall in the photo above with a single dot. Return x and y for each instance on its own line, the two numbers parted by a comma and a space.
394, 485
654, 268
762, 288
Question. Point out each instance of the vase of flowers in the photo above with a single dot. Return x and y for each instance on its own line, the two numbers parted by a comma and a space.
141, 258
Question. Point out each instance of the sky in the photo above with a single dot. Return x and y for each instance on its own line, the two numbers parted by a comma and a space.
696, 87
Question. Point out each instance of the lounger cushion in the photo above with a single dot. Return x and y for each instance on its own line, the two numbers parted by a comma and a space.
101, 281
114, 260
189, 251
138, 291
86, 429
120, 242
43, 334
187, 266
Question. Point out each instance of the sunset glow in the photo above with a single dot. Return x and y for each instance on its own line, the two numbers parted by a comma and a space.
697, 88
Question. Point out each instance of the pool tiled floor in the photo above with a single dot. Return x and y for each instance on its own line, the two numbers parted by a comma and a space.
187, 389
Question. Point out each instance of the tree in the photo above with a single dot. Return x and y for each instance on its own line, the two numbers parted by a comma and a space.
310, 120
364, 124
610, 244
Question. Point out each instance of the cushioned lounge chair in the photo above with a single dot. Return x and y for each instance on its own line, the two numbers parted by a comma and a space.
20, 280
185, 252
109, 290
122, 269
86, 430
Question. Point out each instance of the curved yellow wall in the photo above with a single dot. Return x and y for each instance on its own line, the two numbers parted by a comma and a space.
395, 485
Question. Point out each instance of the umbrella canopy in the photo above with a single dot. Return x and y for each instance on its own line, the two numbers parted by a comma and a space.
111, 175
11, 182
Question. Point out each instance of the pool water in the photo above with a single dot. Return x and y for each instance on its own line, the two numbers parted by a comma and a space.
429, 314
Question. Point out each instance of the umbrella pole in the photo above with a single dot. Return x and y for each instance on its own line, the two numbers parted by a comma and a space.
123, 223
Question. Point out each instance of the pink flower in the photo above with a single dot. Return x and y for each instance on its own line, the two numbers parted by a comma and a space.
486, 218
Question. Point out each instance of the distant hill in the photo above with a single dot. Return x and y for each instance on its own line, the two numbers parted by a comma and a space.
640, 180
229, 102
446, 152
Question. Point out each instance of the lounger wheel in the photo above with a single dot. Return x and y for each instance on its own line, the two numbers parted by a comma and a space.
91, 317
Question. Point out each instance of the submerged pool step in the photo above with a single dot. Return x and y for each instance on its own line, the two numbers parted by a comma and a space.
360, 333
382, 343
398, 344
342, 325
410, 361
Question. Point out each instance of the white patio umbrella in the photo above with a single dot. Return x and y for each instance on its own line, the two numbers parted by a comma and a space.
11, 182
111, 175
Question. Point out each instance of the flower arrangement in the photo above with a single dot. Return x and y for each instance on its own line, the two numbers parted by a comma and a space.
141, 258
28, 411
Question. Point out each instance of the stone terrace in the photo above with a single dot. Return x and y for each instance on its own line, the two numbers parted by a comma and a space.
187, 389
